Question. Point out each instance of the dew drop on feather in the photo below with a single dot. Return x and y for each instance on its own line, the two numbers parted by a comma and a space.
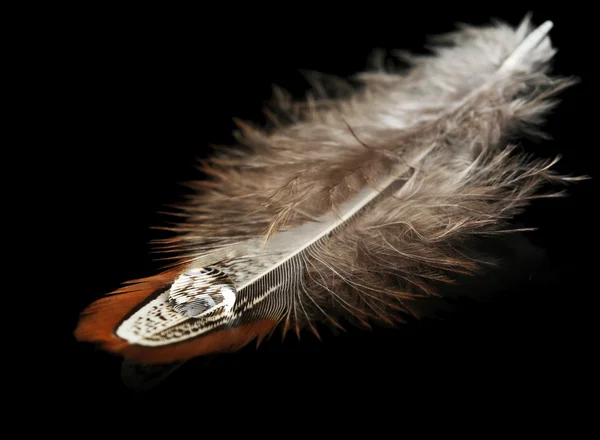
199, 291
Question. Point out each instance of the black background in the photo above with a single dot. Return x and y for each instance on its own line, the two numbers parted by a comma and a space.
148, 90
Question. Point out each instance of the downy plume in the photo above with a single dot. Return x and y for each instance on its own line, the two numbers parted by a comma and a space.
346, 208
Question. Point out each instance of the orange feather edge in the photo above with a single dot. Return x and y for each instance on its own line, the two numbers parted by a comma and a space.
99, 320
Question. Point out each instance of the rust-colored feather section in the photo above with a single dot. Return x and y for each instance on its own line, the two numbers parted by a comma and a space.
221, 341
100, 319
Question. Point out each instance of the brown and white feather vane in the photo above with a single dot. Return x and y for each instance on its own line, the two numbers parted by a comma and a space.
353, 209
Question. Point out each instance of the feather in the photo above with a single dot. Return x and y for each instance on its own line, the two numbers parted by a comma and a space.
350, 207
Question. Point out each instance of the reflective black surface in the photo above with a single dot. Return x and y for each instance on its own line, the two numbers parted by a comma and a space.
149, 96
